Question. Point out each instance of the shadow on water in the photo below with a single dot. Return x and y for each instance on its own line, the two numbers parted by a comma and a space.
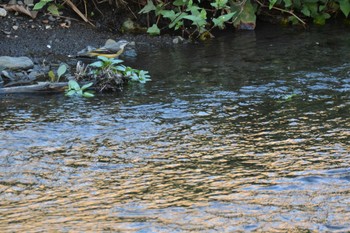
248, 132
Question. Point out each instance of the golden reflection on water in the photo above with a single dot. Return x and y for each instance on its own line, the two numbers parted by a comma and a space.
246, 173
224, 184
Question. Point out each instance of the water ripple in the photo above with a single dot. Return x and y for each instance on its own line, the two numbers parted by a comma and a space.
225, 153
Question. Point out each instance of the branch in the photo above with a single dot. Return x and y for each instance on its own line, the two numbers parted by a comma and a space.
283, 10
41, 87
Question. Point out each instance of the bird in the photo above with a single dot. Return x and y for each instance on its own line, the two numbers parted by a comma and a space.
111, 49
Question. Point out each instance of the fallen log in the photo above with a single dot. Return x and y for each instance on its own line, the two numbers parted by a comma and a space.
41, 87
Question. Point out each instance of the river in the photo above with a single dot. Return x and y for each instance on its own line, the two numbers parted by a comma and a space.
247, 132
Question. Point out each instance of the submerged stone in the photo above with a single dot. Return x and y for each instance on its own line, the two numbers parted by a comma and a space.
16, 63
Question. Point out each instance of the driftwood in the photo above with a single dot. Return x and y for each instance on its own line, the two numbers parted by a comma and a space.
41, 87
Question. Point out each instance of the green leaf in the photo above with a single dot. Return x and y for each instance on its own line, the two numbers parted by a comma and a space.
88, 94
86, 86
134, 77
345, 7
220, 21
61, 70
41, 4
287, 3
219, 4
70, 93
272, 3
193, 9
53, 9
178, 25
148, 8
178, 20
179, 2
321, 8
159, 9
310, 1
97, 64
105, 59
196, 20
203, 14
116, 61
73, 85
154, 30
121, 68
313, 8
52, 76
320, 19
170, 14
306, 11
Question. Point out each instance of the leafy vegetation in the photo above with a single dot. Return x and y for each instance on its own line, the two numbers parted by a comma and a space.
105, 74
52, 7
184, 14
196, 18
62, 69
74, 89
110, 74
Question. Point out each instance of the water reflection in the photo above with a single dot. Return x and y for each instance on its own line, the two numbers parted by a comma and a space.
246, 133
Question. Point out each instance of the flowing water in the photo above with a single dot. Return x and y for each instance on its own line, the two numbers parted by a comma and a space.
248, 132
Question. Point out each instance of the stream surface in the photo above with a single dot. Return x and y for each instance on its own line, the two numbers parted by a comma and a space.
247, 132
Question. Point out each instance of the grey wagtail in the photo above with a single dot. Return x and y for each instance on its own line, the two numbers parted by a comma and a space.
111, 49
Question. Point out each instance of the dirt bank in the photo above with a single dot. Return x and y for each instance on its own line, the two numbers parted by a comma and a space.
40, 39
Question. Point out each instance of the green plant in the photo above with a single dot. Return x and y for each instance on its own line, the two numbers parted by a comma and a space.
62, 69
106, 74
189, 17
52, 7
109, 74
111, 68
196, 18
106, 66
74, 89
135, 75
318, 10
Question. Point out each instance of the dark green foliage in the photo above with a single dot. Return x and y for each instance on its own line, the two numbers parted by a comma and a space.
108, 74
197, 17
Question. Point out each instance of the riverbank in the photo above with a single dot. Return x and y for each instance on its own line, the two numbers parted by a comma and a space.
54, 41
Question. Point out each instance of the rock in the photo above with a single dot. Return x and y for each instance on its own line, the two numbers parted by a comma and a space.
8, 75
178, 40
51, 18
66, 23
130, 26
3, 12
16, 63
130, 53
37, 74
29, 2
